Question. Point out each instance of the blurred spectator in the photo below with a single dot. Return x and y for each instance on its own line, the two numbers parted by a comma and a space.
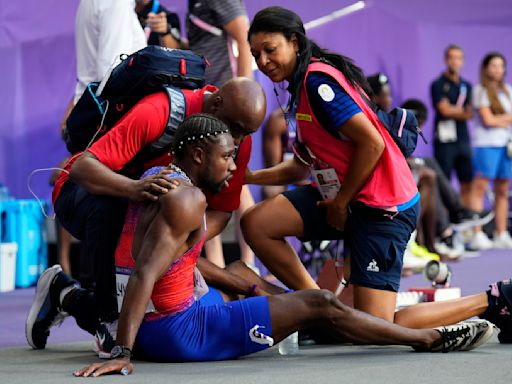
381, 96
163, 26
104, 30
451, 99
429, 170
278, 139
492, 99
448, 207
213, 26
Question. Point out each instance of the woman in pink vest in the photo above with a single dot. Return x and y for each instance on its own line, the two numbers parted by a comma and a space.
364, 191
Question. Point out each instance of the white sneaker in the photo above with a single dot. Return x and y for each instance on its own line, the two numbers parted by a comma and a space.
412, 262
480, 242
451, 253
503, 240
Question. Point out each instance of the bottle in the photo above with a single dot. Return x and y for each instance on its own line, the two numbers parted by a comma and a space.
289, 345
4, 193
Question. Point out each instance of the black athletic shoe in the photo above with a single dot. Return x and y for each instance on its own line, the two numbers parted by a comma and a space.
499, 311
463, 336
45, 311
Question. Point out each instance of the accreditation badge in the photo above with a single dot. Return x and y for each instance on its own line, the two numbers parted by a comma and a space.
327, 182
447, 131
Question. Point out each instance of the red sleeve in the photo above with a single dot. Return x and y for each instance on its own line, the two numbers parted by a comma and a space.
141, 125
228, 199
63, 177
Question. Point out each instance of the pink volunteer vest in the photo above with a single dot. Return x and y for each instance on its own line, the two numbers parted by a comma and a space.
391, 182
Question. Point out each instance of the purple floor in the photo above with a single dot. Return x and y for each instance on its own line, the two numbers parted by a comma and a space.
14, 308
472, 275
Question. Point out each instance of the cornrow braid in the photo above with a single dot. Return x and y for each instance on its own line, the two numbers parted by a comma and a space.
200, 129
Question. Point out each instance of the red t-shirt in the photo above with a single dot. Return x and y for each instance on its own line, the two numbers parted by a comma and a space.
142, 125
63, 177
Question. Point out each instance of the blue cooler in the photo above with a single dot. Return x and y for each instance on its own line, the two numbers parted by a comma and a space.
22, 222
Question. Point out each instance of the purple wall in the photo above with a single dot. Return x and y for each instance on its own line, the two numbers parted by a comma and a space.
403, 38
37, 76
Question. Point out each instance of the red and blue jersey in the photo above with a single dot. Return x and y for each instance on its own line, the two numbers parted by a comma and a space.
173, 292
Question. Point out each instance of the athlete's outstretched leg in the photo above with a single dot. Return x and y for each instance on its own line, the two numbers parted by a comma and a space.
320, 308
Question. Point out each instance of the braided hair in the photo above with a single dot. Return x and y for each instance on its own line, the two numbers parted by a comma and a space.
199, 130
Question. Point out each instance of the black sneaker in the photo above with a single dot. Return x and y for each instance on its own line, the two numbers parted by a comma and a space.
105, 339
463, 336
467, 218
499, 311
46, 311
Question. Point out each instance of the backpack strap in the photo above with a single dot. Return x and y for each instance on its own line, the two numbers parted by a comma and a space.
203, 25
402, 122
177, 111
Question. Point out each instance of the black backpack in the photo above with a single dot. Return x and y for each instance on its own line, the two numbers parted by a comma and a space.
401, 125
144, 72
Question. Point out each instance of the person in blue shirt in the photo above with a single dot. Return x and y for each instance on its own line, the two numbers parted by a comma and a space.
451, 99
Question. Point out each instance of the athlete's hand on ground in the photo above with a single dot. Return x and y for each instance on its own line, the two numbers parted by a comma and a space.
153, 186
121, 366
336, 213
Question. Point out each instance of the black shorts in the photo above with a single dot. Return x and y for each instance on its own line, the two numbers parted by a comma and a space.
456, 156
375, 239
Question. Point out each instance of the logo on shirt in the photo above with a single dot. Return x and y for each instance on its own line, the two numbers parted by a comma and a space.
260, 338
326, 92
303, 117
373, 267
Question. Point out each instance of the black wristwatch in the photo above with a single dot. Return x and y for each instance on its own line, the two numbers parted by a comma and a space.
174, 32
120, 351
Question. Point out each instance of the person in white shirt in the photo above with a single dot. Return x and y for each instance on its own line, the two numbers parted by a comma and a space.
105, 29
492, 99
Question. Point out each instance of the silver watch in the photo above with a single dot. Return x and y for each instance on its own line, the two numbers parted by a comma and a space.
120, 351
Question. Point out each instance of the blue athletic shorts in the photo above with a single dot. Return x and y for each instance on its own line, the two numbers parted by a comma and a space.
207, 331
212, 297
492, 163
374, 241
376, 245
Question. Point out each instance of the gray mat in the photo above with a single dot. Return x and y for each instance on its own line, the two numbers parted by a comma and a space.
320, 364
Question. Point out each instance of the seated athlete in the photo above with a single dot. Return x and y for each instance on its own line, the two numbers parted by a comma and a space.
167, 240
91, 201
